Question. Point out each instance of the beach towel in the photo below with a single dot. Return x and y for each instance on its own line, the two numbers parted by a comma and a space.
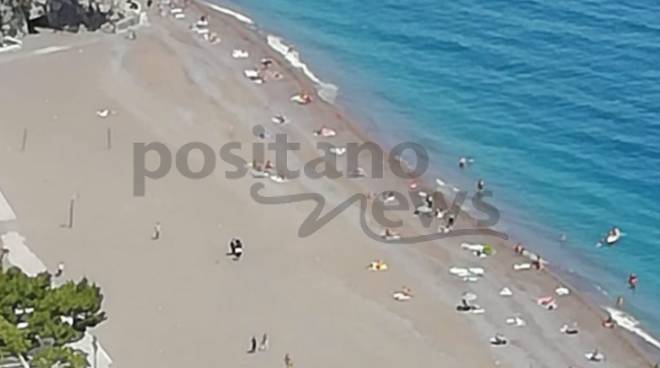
516, 321
522, 266
401, 296
239, 54
506, 292
595, 357
562, 291
325, 132
547, 302
338, 150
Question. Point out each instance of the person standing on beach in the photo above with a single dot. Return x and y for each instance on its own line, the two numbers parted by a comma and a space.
288, 363
263, 345
156, 234
253, 345
60, 269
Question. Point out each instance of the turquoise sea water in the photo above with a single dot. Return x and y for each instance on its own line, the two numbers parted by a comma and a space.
558, 101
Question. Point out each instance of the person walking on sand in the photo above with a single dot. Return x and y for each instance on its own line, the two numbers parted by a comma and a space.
288, 363
263, 345
236, 248
253, 345
156, 234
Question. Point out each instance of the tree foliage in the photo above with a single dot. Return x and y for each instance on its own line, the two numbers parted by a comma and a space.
12, 340
62, 357
59, 315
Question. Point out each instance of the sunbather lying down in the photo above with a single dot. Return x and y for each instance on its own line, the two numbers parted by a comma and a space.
402, 296
279, 120
595, 356
466, 307
547, 302
253, 75
499, 340
325, 132
302, 98
516, 321
390, 234
377, 265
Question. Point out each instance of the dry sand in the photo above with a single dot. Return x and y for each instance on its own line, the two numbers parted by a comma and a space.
179, 301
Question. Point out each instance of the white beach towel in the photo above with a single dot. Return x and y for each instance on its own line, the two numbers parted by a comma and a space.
562, 291
506, 292
522, 266
239, 54
472, 247
516, 321
401, 296
338, 150
277, 178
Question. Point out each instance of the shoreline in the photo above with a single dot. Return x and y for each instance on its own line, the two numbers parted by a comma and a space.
190, 90
640, 338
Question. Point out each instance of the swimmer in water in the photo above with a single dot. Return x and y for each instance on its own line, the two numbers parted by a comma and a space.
481, 185
463, 162
633, 281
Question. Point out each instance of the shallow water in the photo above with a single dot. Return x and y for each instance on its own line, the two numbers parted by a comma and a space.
558, 101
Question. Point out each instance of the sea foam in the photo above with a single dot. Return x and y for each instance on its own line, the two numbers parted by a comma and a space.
631, 324
238, 16
327, 91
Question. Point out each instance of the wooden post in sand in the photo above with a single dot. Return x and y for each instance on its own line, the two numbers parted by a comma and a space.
72, 203
108, 139
24, 140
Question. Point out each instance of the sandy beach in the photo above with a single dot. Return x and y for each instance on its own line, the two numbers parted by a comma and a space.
179, 300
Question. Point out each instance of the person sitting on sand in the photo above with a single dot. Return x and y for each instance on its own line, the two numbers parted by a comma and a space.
390, 234
595, 356
518, 248
269, 165
465, 306
202, 22
537, 263
266, 63
609, 322
236, 248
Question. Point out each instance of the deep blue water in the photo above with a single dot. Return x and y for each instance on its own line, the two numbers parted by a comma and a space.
558, 101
